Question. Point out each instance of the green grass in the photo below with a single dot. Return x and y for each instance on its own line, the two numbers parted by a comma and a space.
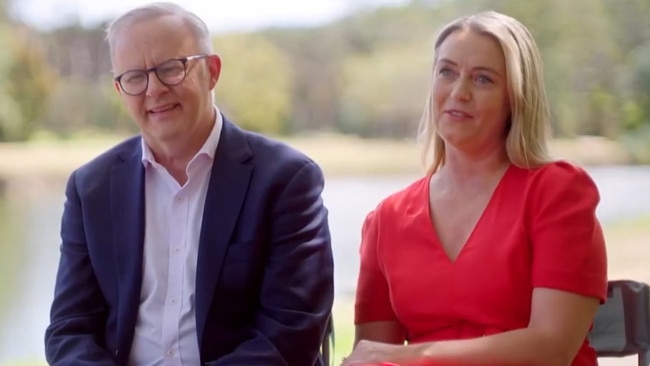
628, 249
343, 314
11, 255
25, 363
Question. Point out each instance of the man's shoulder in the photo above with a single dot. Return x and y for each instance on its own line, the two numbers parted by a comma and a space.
261, 143
101, 163
272, 153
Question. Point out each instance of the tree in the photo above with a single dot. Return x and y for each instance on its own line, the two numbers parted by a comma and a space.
26, 81
255, 84
384, 93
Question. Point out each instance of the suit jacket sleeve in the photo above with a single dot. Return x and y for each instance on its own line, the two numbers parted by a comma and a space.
297, 290
78, 314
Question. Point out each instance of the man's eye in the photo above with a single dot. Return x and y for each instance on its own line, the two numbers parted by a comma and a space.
134, 78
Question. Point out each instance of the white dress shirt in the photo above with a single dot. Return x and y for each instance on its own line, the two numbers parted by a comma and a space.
165, 332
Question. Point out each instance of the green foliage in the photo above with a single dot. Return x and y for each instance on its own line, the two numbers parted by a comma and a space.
639, 61
385, 75
637, 144
11, 122
384, 94
636, 117
255, 84
77, 106
602, 107
365, 74
315, 57
633, 115
25, 83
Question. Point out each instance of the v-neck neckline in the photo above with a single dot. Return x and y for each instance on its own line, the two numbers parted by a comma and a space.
437, 242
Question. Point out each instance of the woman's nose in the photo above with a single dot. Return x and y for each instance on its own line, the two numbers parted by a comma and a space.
461, 90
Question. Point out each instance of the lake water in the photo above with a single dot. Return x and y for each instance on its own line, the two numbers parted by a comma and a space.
29, 244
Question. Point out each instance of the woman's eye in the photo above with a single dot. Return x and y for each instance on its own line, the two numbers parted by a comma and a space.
446, 72
482, 79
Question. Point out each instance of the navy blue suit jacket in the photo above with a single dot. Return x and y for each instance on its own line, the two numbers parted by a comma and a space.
264, 281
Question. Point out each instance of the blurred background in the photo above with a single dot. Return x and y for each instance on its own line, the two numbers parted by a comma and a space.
343, 80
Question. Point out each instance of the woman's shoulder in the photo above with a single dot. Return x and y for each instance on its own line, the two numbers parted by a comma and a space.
559, 172
560, 179
406, 199
560, 168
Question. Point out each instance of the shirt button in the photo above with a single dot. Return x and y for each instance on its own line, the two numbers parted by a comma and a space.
170, 353
173, 301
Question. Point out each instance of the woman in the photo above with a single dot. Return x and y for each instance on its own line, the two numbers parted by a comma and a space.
495, 257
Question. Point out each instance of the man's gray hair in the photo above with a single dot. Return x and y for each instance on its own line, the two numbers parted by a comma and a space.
194, 24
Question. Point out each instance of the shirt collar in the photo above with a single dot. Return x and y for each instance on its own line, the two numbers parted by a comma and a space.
209, 148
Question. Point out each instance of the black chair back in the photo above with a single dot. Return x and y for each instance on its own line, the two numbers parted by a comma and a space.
622, 325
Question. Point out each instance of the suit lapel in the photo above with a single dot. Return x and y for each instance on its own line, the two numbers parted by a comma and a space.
127, 217
227, 189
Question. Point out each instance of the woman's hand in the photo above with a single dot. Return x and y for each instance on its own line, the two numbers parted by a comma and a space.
369, 353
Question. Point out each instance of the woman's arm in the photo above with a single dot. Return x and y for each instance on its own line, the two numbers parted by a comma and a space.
375, 318
390, 332
558, 326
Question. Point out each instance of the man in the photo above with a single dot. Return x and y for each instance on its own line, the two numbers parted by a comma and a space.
196, 243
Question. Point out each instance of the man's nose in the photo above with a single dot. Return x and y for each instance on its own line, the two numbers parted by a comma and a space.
155, 87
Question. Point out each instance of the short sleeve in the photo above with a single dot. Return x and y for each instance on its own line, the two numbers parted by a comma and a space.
568, 247
372, 297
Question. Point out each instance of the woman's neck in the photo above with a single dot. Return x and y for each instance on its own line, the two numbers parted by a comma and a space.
461, 172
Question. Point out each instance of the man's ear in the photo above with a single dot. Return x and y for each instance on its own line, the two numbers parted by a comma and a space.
214, 68
117, 87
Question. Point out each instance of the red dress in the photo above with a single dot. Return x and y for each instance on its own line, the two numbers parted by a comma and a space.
539, 229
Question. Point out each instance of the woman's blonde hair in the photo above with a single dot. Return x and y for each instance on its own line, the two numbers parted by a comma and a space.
529, 127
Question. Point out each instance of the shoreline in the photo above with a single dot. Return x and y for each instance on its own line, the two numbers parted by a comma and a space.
32, 168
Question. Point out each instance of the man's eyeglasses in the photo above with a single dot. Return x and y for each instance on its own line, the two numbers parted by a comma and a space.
171, 72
